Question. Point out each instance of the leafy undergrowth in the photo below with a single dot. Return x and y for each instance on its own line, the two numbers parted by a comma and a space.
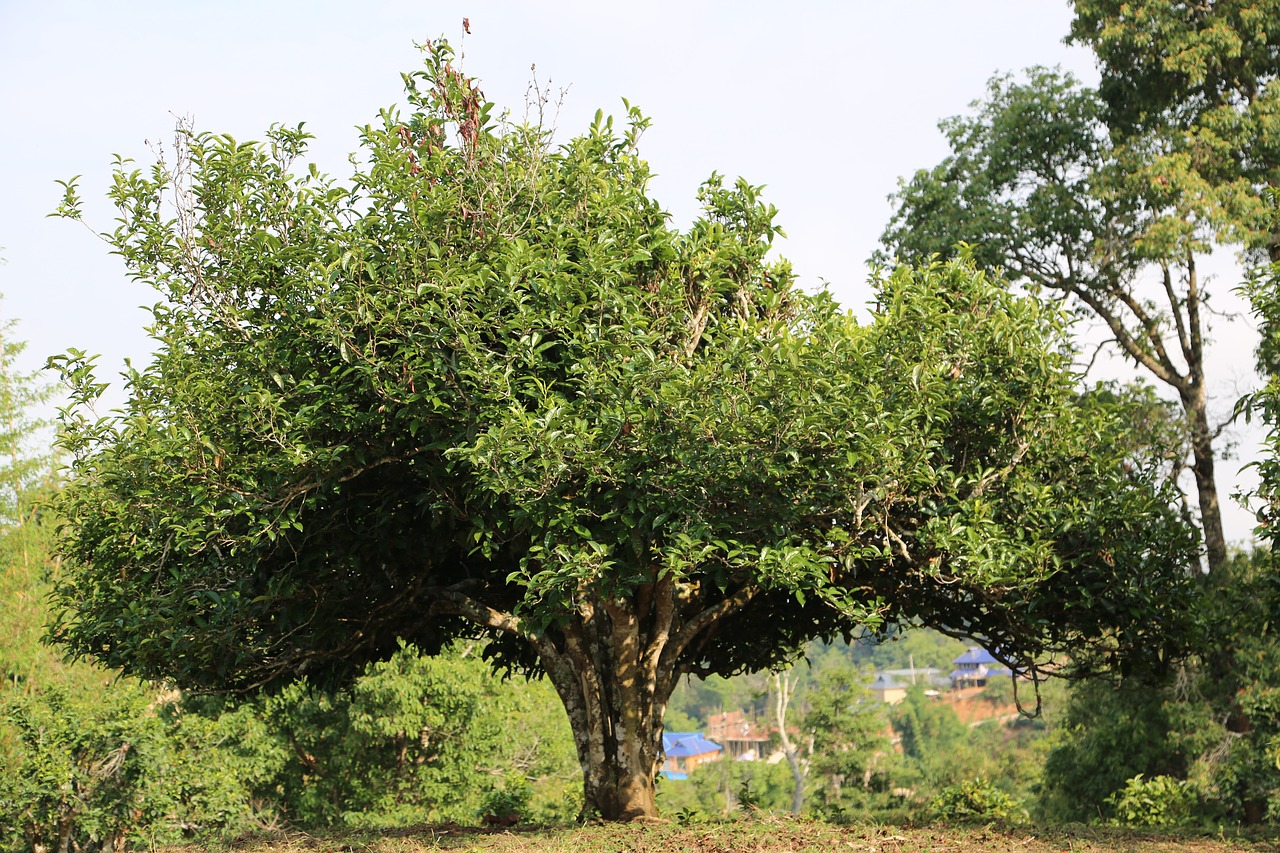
763, 834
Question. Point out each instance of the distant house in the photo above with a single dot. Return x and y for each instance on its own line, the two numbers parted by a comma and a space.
685, 751
888, 689
891, 685
743, 740
975, 667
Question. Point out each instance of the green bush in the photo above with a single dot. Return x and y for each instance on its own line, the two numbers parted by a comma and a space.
416, 739
103, 769
1158, 801
975, 801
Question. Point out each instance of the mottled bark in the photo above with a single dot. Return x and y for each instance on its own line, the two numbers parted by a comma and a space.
1215, 540
614, 664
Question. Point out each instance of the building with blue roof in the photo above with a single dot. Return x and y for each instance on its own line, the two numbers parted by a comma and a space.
976, 667
685, 751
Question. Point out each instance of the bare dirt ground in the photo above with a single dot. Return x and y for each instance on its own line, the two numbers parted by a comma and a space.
761, 835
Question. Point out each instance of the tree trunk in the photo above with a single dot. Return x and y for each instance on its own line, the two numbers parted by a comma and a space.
1215, 540
614, 664
614, 709
784, 688
65, 825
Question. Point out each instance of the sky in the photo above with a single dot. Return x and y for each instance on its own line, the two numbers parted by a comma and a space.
827, 104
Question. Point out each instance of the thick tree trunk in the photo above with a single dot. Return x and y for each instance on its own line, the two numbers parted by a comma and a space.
614, 664
620, 756
615, 704
618, 791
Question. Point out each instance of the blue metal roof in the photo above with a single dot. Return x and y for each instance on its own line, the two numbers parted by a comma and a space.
685, 744
974, 654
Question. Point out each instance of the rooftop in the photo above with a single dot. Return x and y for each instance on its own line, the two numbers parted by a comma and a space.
975, 655
685, 744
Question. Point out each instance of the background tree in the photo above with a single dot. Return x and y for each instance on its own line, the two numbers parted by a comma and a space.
487, 391
798, 750
25, 460
1038, 185
852, 755
932, 737
1111, 198
26, 476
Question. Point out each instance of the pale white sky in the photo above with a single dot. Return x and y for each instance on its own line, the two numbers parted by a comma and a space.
827, 103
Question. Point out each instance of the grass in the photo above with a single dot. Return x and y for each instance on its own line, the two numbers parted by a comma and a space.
763, 834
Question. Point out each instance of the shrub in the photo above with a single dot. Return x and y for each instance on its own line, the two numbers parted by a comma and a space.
106, 769
975, 801
1158, 801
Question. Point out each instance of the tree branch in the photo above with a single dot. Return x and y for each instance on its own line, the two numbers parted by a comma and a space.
451, 601
1175, 307
1163, 371
1196, 359
695, 626
1149, 326
660, 632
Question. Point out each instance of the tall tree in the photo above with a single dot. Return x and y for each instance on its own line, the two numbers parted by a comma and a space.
1038, 185
25, 460
486, 390
26, 471
1197, 87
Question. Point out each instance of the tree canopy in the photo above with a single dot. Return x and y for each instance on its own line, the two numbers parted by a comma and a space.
485, 389
1196, 85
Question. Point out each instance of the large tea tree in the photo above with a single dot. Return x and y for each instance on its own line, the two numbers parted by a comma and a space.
485, 390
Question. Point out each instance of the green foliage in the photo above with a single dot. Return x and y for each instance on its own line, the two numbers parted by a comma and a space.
728, 788
88, 759
1202, 80
1263, 291
677, 720
93, 759
536, 753
416, 739
1083, 192
108, 768
1019, 188
852, 755
1158, 801
1109, 735
1192, 729
1039, 185
26, 578
25, 462
930, 730
26, 480
405, 344
976, 801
